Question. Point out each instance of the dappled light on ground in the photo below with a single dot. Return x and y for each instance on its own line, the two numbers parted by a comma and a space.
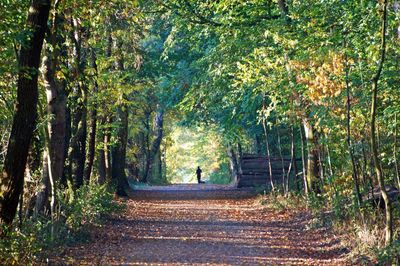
227, 230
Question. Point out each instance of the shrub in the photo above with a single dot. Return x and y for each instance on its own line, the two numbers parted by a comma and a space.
78, 209
87, 205
19, 247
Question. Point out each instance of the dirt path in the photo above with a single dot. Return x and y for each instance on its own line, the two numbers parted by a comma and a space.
200, 225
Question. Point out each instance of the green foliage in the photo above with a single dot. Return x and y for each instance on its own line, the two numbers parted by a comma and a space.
390, 255
20, 246
87, 205
221, 175
280, 202
190, 147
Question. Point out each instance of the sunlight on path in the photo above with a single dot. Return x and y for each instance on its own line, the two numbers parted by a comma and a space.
185, 187
223, 231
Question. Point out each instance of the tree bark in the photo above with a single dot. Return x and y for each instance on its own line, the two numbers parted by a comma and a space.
104, 134
119, 152
119, 149
293, 163
158, 128
312, 158
271, 178
93, 122
240, 156
328, 154
146, 145
303, 160
233, 163
374, 144
282, 163
42, 195
56, 103
396, 165
77, 153
348, 139
24, 121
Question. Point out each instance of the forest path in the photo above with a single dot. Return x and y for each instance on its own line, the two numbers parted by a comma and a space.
215, 225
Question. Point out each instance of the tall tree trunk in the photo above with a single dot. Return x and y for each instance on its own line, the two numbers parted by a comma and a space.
321, 167
240, 156
107, 149
101, 164
293, 163
56, 98
119, 152
158, 128
282, 163
396, 165
119, 149
271, 178
367, 174
348, 139
374, 144
24, 121
233, 163
104, 134
303, 160
104, 161
77, 154
93, 121
146, 146
66, 176
328, 154
42, 195
312, 158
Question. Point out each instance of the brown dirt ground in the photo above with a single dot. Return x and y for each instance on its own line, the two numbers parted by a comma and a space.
204, 225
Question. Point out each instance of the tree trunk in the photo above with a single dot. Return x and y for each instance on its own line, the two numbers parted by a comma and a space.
271, 178
233, 163
93, 122
367, 172
303, 160
119, 152
56, 103
146, 142
24, 121
282, 163
101, 166
77, 154
107, 150
396, 165
374, 144
42, 195
159, 131
293, 163
312, 158
240, 156
66, 177
119, 149
348, 139
104, 134
328, 154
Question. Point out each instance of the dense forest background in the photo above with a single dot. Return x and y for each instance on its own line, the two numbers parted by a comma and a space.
96, 96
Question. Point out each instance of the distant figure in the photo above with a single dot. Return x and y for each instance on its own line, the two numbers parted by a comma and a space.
198, 173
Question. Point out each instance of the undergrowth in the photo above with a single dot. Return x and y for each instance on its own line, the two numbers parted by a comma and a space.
360, 228
77, 212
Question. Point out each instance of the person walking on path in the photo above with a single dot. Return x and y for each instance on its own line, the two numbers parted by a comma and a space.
198, 173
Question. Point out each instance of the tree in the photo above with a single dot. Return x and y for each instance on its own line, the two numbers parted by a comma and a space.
24, 121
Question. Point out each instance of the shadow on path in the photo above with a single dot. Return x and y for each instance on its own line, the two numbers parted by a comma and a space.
205, 225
